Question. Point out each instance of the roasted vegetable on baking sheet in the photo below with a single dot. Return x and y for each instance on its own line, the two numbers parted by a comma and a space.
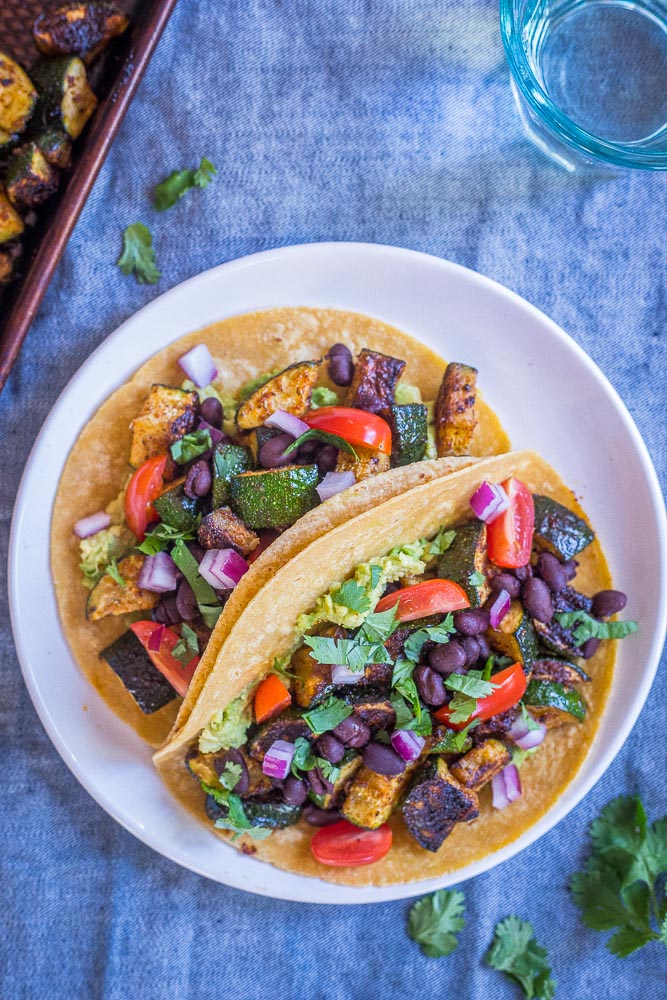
17, 99
65, 97
56, 147
109, 597
30, 179
436, 803
82, 29
166, 415
455, 418
11, 223
291, 390
373, 385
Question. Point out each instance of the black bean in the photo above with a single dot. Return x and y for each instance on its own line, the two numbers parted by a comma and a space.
295, 791
341, 366
383, 760
353, 732
186, 602
320, 817
484, 648
330, 748
308, 450
166, 612
447, 657
234, 756
318, 783
472, 621
198, 481
470, 645
523, 573
327, 458
589, 647
607, 603
272, 453
505, 581
570, 568
212, 412
198, 551
430, 686
552, 571
536, 598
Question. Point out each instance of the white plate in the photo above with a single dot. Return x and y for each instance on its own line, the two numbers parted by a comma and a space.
550, 397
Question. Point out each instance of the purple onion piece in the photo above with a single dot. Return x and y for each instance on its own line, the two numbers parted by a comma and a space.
90, 525
499, 608
278, 759
525, 736
222, 568
158, 574
407, 743
287, 422
506, 787
333, 483
216, 434
489, 501
199, 366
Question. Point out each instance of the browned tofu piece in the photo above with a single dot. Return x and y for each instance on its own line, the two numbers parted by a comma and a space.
552, 718
312, 680
373, 708
222, 529
455, 417
82, 29
436, 803
477, 767
373, 797
368, 463
373, 386
165, 417
291, 390
109, 598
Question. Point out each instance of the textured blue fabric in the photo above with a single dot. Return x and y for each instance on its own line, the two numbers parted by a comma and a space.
378, 120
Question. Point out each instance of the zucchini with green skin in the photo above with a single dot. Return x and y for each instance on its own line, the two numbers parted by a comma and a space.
559, 530
436, 803
467, 555
562, 671
82, 29
409, 433
291, 390
18, 98
553, 704
515, 637
11, 223
557, 638
29, 179
65, 97
268, 813
228, 460
56, 147
176, 509
348, 767
131, 663
274, 498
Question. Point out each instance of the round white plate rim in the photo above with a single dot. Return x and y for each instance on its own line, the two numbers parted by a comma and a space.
338, 893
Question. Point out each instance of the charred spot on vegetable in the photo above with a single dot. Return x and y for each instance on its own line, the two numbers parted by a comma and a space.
271, 812
478, 766
30, 180
561, 671
289, 727
17, 99
176, 510
554, 705
436, 803
81, 28
373, 385
312, 680
554, 636
558, 529
222, 529
372, 707
516, 637
467, 555
455, 416
65, 97
130, 662
56, 147
289, 390
167, 414
11, 223
368, 462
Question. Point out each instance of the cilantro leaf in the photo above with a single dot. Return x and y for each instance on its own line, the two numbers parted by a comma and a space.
406, 719
461, 708
178, 182
191, 446
442, 541
348, 652
138, 254
235, 820
379, 625
434, 633
376, 573
280, 664
115, 574
450, 741
515, 952
471, 684
590, 628
163, 535
327, 715
231, 775
435, 920
187, 646
476, 579
353, 596
315, 434
403, 683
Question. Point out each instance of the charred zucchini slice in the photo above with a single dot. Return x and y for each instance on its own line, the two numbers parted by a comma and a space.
130, 661
177, 510
11, 223
373, 385
372, 707
228, 460
562, 671
30, 179
222, 529
312, 680
467, 555
65, 97
553, 704
369, 462
289, 727
409, 433
554, 636
372, 797
349, 766
559, 530
271, 814
166, 416
436, 803
516, 637
478, 766
455, 417
17, 99
274, 498
82, 29
56, 147
108, 597
291, 390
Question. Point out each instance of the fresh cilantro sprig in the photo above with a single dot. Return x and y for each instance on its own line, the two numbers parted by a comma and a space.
415, 642
138, 254
235, 819
435, 920
366, 647
468, 689
590, 628
115, 574
168, 192
621, 886
352, 595
327, 715
450, 741
187, 646
326, 437
305, 759
207, 601
515, 952
476, 579
191, 446
163, 535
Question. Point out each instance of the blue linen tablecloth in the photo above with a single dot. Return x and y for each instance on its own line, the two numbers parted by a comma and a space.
385, 121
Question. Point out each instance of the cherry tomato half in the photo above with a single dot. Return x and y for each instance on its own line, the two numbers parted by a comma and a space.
144, 487
344, 845
271, 697
511, 688
510, 536
179, 675
430, 597
356, 426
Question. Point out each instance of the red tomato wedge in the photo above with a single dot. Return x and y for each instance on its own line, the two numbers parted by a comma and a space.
510, 536
178, 675
356, 426
511, 688
144, 487
431, 597
265, 539
271, 697
344, 845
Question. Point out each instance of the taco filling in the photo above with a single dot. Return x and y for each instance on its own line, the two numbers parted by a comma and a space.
433, 670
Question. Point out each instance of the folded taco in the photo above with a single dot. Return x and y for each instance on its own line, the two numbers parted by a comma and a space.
413, 689
222, 457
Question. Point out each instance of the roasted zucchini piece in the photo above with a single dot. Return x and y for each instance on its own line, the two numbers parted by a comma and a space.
516, 637
30, 180
312, 680
17, 99
271, 814
108, 597
209, 766
291, 390
65, 97
130, 661
436, 803
559, 530
176, 509
455, 417
554, 636
10, 255
561, 671
166, 416
467, 555
478, 766
274, 498
56, 147
369, 462
442, 741
349, 766
228, 460
222, 529
289, 726
372, 707
11, 223
373, 385
372, 797
553, 704
409, 433
82, 29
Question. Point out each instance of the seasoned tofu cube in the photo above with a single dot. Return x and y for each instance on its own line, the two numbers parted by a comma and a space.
477, 767
455, 418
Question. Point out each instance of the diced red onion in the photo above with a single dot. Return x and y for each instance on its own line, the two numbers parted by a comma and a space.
524, 736
489, 501
199, 366
155, 640
222, 568
158, 574
407, 743
92, 524
333, 483
278, 759
499, 608
216, 435
287, 422
342, 674
506, 787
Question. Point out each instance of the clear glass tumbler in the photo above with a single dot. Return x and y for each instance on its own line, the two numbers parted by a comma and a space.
590, 79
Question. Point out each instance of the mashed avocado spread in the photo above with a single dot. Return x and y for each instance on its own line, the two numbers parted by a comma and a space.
229, 727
